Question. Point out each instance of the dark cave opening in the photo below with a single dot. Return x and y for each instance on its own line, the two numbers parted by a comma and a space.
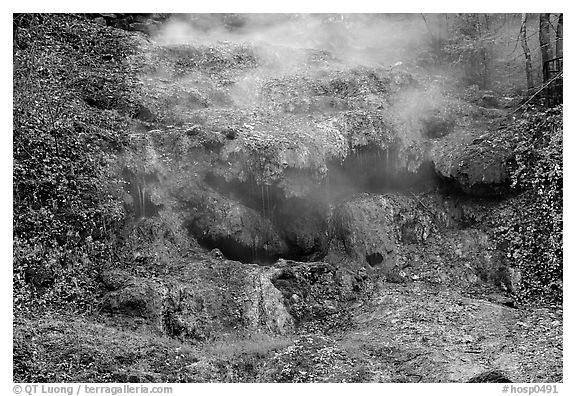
302, 222
233, 250
374, 259
371, 169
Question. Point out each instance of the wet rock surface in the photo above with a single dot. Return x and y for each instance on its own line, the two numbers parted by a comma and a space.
239, 232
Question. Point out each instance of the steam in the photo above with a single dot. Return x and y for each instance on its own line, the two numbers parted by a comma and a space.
358, 39
297, 45
230, 71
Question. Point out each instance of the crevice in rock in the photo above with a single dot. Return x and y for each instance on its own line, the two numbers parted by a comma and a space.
374, 259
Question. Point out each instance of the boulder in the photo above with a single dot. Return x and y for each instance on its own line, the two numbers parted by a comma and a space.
475, 162
368, 229
100, 21
134, 297
226, 296
241, 233
313, 291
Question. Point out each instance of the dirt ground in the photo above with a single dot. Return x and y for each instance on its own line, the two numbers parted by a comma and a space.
417, 332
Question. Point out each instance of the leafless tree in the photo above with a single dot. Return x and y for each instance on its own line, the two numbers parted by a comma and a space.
545, 47
527, 55
560, 36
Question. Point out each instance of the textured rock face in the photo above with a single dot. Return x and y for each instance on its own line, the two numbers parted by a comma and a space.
315, 290
232, 297
476, 163
220, 296
252, 158
409, 238
253, 162
368, 229
267, 310
134, 297
238, 231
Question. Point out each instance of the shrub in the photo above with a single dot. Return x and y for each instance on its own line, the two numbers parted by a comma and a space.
65, 205
532, 236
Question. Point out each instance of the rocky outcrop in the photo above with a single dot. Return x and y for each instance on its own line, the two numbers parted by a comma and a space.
215, 295
135, 297
414, 238
228, 297
475, 162
241, 233
368, 229
312, 291
253, 161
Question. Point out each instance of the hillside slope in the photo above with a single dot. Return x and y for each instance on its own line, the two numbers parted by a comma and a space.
210, 211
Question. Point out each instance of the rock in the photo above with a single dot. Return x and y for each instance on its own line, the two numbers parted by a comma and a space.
267, 307
493, 376
239, 232
476, 163
100, 21
312, 291
369, 228
228, 296
489, 100
136, 298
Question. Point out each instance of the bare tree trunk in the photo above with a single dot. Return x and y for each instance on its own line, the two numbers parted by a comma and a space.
545, 47
560, 37
529, 80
